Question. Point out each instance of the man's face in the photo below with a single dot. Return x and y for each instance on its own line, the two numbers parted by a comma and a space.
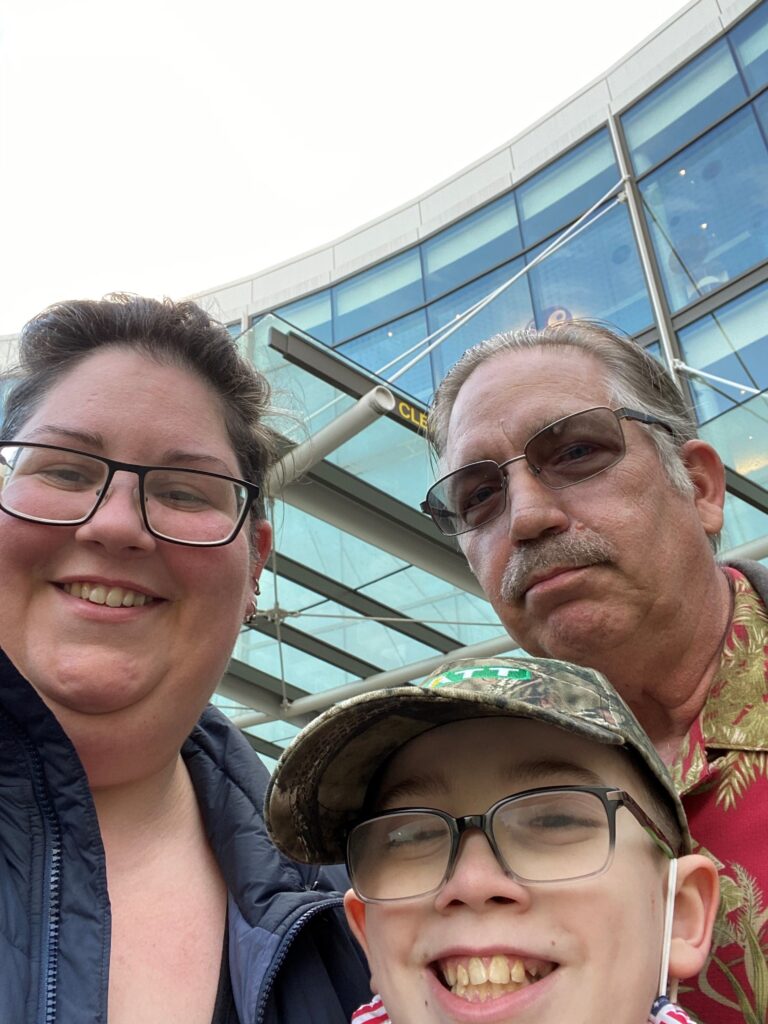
572, 573
584, 945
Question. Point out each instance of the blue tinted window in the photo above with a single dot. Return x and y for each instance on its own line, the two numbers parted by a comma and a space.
477, 243
235, 330
567, 188
683, 106
750, 43
761, 106
312, 315
708, 209
732, 343
509, 310
654, 349
596, 274
378, 295
378, 351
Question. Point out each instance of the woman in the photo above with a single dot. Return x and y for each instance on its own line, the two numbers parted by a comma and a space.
137, 883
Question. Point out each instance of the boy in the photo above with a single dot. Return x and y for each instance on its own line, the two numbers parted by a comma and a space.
511, 838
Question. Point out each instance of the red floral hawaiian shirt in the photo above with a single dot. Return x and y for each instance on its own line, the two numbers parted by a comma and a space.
722, 776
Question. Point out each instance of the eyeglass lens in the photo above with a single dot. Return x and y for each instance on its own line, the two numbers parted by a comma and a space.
57, 486
566, 452
547, 837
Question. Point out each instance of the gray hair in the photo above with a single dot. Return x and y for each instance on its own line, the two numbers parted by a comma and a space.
635, 379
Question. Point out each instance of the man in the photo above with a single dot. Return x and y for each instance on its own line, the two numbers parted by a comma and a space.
589, 512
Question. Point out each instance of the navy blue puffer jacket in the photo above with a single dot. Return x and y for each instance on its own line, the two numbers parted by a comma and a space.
291, 956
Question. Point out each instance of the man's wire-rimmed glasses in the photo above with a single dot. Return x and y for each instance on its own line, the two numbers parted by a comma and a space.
572, 449
539, 836
57, 486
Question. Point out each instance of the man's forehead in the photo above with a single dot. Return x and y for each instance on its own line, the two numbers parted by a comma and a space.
513, 395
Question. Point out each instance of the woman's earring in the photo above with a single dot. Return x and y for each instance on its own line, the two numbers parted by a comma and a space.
250, 613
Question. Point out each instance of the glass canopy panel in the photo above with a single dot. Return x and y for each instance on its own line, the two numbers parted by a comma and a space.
312, 314
683, 106
731, 343
388, 349
377, 295
391, 457
741, 438
362, 637
508, 311
707, 209
301, 402
476, 244
743, 523
750, 43
422, 596
326, 549
568, 187
302, 669
291, 597
597, 274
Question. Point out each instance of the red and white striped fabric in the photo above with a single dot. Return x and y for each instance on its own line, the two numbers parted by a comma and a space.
372, 1013
662, 1012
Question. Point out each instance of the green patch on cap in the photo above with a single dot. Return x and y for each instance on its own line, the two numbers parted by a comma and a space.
454, 676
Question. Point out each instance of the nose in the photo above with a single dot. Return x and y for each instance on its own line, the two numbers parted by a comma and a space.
533, 509
117, 523
478, 880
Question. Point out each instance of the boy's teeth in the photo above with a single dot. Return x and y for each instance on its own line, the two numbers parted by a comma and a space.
498, 971
477, 972
112, 597
477, 979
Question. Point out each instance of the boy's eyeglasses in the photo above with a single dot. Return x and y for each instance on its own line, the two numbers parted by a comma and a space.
568, 451
45, 483
552, 834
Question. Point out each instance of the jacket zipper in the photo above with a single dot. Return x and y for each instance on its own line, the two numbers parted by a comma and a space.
51, 908
286, 944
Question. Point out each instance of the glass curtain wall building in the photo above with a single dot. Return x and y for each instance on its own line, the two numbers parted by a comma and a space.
643, 202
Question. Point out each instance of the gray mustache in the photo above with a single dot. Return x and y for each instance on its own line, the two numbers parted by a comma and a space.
564, 550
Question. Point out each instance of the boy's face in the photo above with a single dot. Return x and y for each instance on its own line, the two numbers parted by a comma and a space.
588, 947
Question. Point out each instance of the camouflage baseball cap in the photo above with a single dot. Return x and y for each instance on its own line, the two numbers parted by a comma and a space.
319, 788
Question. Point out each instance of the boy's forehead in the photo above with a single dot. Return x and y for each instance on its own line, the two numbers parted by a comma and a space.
517, 749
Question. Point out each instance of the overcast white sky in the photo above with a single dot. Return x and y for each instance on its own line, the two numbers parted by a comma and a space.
166, 146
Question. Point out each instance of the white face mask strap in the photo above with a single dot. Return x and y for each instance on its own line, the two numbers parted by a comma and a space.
669, 914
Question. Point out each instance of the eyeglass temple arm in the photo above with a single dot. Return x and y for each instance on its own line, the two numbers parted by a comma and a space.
643, 417
649, 825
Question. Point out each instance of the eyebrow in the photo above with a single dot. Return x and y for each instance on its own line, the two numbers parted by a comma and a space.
87, 439
421, 784
82, 437
533, 770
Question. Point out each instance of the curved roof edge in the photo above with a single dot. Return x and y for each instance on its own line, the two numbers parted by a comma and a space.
661, 53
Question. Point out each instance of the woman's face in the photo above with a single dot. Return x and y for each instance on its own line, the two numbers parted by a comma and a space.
126, 683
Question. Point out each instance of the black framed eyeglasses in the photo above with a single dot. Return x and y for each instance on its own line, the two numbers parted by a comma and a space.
567, 452
56, 486
550, 834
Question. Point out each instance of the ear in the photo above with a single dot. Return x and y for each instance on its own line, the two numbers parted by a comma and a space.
355, 910
705, 468
696, 903
261, 545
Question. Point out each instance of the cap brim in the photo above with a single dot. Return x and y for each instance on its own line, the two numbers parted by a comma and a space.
320, 786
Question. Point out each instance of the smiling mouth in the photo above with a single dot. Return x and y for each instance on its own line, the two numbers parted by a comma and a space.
112, 597
479, 978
